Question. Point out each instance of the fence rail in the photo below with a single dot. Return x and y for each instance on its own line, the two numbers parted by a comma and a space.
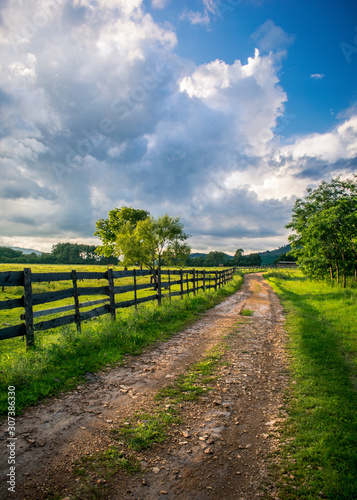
164, 282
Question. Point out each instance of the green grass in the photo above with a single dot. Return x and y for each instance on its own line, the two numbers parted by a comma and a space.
107, 462
247, 312
63, 357
319, 456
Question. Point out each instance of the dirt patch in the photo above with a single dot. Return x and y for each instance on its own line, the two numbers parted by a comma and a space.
220, 449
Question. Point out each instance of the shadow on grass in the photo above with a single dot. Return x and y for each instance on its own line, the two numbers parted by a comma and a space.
322, 427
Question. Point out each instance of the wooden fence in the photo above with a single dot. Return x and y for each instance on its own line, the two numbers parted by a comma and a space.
164, 283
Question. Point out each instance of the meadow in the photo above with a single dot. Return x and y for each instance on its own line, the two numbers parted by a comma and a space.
63, 357
318, 456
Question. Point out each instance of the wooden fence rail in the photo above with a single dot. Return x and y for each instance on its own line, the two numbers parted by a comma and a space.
163, 282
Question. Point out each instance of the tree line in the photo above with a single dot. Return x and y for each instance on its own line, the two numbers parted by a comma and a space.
214, 259
61, 253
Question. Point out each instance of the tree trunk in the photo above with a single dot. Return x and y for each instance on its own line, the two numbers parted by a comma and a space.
331, 272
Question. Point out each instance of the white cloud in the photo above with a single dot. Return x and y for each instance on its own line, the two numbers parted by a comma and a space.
159, 4
339, 143
249, 96
317, 76
271, 38
195, 17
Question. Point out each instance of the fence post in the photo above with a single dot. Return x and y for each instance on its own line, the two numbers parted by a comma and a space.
110, 278
135, 291
194, 281
158, 295
215, 280
30, 335
181, 283
204, 280
169, 278
77, 317
187, 284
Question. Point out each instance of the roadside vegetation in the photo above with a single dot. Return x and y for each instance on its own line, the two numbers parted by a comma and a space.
318, 456
324, 226
63, 357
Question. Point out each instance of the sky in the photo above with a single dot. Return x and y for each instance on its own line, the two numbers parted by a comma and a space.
220, 112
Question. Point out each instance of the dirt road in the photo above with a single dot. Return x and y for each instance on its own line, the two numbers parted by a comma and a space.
221, 448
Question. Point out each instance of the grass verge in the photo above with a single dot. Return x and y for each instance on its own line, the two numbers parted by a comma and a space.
318, 457
62, 364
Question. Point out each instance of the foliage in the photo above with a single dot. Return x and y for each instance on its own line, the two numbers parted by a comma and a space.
153, 242
142, 240
108, 229
252, 259
325, 230
61, 253
214, 259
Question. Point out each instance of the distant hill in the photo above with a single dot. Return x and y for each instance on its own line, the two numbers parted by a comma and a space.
197, 254
194, 255
26, 250
269, 256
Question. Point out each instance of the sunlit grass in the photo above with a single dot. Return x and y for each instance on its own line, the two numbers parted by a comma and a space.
319, 456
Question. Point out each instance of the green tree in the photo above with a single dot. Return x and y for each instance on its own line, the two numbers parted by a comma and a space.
108, 229
252, 259
238, 254
153, 242
214, 259
325, 230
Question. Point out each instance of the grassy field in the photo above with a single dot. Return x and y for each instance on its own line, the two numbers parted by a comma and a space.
12, 316
318, 458
63, 357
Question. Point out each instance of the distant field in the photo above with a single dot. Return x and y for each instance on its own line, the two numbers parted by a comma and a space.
11, 317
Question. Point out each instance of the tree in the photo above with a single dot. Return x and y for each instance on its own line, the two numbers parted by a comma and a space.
252, 259
151, 242
214, 259
325, 230
239, 253
108, 229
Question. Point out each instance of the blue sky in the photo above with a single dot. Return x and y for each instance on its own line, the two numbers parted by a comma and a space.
220, 112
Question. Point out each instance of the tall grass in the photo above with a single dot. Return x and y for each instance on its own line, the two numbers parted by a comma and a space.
319, 455
63, 358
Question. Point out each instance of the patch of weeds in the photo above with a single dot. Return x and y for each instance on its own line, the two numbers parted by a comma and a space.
146, 429
231, 334
191, 386
108, 462
247, 312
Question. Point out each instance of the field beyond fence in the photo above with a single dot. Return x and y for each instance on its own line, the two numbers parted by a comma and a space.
102, 293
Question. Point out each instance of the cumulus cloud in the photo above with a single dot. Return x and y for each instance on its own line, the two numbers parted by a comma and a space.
98, 111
